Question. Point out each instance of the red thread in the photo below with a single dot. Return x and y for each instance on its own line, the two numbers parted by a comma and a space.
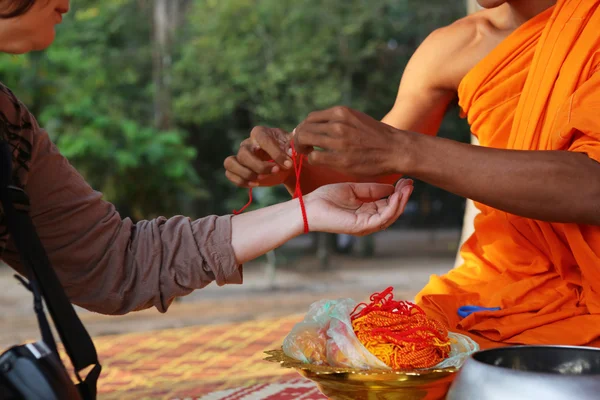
399, 333
241, 210
384, 302
297, 191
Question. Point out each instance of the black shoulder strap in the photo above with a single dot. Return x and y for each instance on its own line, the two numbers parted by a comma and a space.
76, 340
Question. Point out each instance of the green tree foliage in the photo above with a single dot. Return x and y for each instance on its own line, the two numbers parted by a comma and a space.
236, 64
243, 63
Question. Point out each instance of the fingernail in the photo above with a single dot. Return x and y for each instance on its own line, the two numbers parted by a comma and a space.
275, 170
287, 164
289, 151
253, 184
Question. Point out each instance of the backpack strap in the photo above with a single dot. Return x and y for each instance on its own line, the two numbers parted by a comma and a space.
44, 281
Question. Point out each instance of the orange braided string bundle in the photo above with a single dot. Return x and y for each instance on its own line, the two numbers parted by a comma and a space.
399, 333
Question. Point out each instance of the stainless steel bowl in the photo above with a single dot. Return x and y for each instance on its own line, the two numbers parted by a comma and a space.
529, 373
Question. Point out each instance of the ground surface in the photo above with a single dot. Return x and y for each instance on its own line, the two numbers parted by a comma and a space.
403, 259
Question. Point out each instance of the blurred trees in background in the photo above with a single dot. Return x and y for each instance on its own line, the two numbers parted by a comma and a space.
147, 97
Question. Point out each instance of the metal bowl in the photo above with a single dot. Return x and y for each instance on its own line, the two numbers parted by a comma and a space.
529, 372
355, 384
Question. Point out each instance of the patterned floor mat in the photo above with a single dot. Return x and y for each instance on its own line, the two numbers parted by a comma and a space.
298, 389
190, 363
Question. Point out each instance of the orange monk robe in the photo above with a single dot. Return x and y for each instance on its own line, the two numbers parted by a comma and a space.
538, 90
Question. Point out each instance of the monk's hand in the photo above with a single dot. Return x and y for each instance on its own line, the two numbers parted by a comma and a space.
349, 141
262, 159
356, 208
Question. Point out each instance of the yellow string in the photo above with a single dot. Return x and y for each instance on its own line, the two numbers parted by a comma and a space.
403, 341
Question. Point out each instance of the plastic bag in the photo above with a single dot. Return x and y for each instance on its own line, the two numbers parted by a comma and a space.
461, 348
326, 337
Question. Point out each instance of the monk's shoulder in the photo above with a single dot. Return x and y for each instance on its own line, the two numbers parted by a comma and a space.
453, 50
452, 38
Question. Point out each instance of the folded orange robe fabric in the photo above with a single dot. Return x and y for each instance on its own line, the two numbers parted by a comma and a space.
538, 90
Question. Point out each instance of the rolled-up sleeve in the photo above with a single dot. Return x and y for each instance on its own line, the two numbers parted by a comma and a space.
111, 265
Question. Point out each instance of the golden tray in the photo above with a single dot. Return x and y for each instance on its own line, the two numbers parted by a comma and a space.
356, 384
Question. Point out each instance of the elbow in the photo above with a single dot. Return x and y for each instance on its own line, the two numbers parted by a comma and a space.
116, 295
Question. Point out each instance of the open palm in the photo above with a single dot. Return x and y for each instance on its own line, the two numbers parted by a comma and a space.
358, 208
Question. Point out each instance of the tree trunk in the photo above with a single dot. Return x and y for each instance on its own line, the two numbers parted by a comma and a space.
167, 16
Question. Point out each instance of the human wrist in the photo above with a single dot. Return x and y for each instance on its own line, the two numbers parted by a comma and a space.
406, 152
312, 212
295, 216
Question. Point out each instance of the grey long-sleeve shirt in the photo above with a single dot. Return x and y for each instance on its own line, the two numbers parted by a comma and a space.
107, 264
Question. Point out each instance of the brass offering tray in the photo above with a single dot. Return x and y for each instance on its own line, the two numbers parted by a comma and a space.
355, 384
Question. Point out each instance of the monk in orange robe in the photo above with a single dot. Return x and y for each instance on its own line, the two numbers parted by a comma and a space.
527, 76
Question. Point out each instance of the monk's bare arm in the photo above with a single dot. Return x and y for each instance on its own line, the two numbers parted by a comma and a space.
430, 80
552, 186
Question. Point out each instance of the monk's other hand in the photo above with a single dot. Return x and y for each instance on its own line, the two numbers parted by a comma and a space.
356, 208
351, 142
262, 159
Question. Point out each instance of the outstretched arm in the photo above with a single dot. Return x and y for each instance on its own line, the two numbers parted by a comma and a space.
356, 208
553, 186
112, 266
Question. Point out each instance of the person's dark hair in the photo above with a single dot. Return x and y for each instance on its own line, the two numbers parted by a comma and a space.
14, 8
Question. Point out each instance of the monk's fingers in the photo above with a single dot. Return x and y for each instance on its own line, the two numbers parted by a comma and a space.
235, 169
239, 181
334, 129
334, 114
247, 157
249, 142
272, 142
323, 137
306, 137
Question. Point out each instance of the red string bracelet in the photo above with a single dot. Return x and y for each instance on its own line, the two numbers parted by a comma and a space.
297, 160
